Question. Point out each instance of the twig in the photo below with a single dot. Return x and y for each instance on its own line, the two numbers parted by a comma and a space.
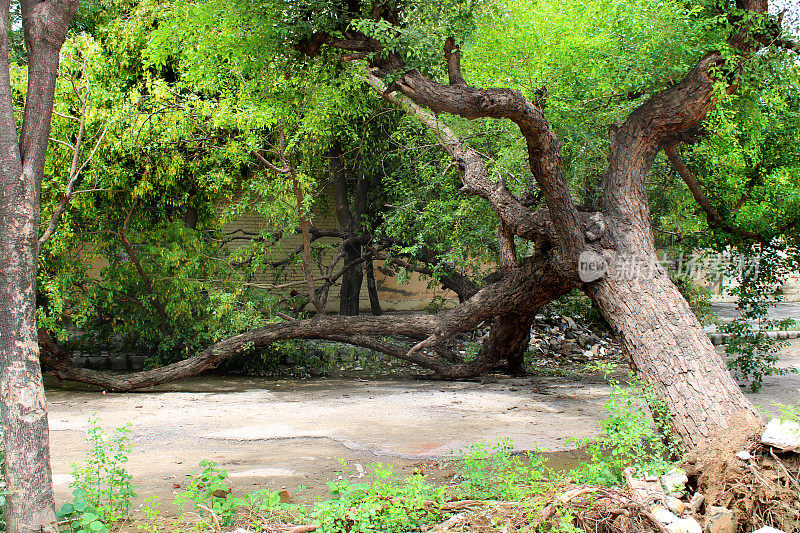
213, 516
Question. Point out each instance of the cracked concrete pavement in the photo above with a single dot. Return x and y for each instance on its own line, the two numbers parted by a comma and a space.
286, 432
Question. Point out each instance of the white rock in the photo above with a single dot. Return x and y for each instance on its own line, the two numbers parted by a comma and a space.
674, 481
675, 505
684, 525
769, 529
783, 434
744, 455
662, 515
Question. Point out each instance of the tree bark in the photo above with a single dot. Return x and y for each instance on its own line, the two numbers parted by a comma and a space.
30, 504
372, 289
665, 343
350, 224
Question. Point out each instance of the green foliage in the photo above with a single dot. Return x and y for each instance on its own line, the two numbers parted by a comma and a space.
752, 353
788, 412
3, 488
635, 434
383, 503
576, 305
209, 492
493, 471
697, 296
102, 484
80, 515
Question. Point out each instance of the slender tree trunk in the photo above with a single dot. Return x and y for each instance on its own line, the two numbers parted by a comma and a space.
372, 289
350, 224
30, 505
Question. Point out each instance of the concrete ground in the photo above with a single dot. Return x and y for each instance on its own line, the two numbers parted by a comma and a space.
780, 311
286, 433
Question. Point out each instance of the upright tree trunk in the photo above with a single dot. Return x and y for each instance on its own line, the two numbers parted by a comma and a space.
30, 505
350, 224
372, 289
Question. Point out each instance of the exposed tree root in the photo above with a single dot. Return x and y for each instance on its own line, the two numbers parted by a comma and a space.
762, 490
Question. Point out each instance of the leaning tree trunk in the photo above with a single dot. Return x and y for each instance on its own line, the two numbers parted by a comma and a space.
666, 344
30, 505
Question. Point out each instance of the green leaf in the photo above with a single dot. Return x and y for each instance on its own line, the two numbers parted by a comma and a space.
66, 510
79, 504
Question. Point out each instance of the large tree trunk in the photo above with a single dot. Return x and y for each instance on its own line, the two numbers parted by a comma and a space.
30, 505
508, 341
666, 344
664, 340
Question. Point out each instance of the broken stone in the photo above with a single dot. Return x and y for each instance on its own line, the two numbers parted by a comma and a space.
719, 520
783, 434
641, 490
696, 501
675, 505
663, 515
684, 525
744, 455
674, 481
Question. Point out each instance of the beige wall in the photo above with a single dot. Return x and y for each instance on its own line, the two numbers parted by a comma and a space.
410, 295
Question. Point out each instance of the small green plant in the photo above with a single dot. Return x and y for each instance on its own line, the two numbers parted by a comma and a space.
209, 492
635, 434
80, 515
3, 489
387, 504
212, 497
788, 412
152, 516
492, 471
103, 481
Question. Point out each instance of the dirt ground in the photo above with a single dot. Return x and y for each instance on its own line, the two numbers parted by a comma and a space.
290, 433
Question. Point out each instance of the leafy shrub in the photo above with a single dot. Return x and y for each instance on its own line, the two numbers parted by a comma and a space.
492, 471
635, 434
3, 490
80, 515
386, 505
102, 483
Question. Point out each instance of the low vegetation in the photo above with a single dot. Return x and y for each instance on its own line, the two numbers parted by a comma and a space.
491, 482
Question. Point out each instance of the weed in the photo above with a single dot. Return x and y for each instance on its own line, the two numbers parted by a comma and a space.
3, 489
80, 515
635, 434
491, 471
209, 492
103, 481
387, 504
